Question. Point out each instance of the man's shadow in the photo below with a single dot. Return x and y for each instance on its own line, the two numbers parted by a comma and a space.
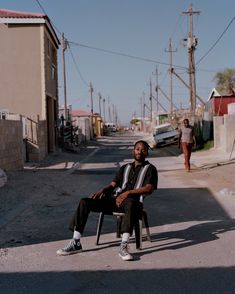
197, 234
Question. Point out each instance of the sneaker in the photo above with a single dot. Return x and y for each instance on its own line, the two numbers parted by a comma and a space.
72, 248
123, 252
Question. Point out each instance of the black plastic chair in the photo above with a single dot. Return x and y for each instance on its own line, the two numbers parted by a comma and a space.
138, 227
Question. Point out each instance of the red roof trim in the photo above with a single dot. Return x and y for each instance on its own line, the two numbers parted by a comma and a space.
19, 14
80, 112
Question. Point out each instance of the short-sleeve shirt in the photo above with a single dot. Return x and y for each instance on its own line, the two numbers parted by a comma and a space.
187, 134
151, 176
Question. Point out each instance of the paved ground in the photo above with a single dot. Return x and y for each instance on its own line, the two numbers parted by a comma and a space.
192, 219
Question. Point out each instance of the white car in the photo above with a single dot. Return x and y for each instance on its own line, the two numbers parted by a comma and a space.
165, 134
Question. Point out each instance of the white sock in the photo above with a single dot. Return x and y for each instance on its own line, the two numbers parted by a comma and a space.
76, 235
125, 237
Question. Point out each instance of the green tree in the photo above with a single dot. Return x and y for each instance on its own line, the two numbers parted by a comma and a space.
134, 121
225, 81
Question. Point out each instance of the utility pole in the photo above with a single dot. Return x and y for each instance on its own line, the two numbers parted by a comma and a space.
113, 108
100, 98
92, 111
109, 110
186, 85
156, 99
150, 101
164, 94
170, 72
143, 112
104, 108
64, 47
91, 92
191, 44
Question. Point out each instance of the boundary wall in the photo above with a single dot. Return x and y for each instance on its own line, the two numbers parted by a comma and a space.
11, 144
224, 132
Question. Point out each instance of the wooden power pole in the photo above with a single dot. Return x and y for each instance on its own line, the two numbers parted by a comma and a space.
92, 110
151, 101
191, 44
64, 47
170, 72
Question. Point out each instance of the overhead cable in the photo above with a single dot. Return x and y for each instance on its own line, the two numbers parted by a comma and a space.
217, 41
123, 54
77, 68
43, 10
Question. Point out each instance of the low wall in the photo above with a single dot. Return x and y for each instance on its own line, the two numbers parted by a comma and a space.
36, 150
11, 145
224, 132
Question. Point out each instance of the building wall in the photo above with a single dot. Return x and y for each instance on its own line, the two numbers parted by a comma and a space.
11, 145
29, 78
20, 75
221, 104
84, 124
224, 132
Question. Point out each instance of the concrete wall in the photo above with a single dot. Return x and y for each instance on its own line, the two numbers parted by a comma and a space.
28, 76
84, 124
11, 145
224, 132
21, 67
36, 149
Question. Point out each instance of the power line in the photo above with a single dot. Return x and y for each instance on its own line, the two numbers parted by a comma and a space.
123, 54
43, 10
77, 68
217, 41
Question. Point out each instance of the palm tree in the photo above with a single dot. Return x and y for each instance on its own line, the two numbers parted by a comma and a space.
225, 81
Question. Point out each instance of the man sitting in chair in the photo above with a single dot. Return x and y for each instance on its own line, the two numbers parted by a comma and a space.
122, 195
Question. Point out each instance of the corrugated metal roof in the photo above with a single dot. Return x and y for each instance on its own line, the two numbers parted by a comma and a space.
18, 14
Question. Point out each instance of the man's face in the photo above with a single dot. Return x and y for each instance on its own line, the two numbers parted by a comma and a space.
140, 152
186, 123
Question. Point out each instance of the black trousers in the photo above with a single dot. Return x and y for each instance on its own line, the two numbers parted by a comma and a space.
131, 207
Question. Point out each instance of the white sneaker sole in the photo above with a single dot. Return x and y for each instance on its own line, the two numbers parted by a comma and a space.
126, 258
64, 253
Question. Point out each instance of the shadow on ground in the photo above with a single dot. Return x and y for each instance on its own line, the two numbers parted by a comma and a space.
218, 280
164, 207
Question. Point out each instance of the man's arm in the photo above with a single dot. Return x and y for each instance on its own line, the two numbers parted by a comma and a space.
147, 189
194, 138
179, 140
107, 189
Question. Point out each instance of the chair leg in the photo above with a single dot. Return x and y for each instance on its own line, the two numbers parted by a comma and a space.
138, 235
119, 222
146, 224
99, 227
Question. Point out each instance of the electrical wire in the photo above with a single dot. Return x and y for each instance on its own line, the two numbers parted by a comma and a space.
122, 54
77, 68
217, 41
43, 10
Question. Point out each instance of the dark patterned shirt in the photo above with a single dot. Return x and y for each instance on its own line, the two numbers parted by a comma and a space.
151, 176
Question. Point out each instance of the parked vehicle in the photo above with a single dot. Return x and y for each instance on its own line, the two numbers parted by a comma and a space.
165, 134
111, 126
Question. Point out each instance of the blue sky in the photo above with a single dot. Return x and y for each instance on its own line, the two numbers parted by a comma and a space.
138, 28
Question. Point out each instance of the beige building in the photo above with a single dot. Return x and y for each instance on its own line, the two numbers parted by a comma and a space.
28, 77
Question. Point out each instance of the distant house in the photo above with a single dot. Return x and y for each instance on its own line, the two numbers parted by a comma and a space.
86, 122
217, 103
28, 76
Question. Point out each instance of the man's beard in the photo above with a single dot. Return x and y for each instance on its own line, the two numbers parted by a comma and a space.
140, 158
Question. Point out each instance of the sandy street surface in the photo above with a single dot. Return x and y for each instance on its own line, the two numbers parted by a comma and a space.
191, 215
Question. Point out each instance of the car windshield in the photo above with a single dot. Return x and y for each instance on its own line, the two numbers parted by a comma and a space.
164, 130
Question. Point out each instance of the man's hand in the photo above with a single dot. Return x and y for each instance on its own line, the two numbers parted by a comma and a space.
98, 195
120, 198
103, 192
